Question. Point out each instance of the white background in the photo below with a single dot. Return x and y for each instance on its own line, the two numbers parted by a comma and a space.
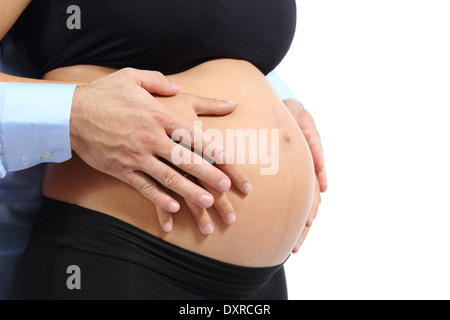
375, 74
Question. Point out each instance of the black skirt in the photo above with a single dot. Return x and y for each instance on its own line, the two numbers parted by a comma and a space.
77, 253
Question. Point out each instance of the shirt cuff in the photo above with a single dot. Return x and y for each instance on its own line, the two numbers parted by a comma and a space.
280, 87
34, 124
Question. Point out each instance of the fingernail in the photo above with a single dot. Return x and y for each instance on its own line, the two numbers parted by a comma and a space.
230, 218
247, 188
174, 207
168, 227
208, 229
175, 86
206, 201
224, 185
231, 102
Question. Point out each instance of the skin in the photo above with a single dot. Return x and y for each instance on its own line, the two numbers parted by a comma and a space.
308, 126
268, 222
153, 140
85, 103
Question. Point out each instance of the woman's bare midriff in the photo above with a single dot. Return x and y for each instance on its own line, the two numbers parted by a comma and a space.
269, 221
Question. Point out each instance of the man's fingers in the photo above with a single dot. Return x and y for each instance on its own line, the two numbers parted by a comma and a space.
316, 203
312, 136
206, 106
315, 144
195, 137
314, 210
302, 239
149, 189
153, 82
323, 180
196, 166
182, 131
304, 235
309, 129
238, 177
173, 180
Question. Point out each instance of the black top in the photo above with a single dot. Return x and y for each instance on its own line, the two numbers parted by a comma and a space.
170, 36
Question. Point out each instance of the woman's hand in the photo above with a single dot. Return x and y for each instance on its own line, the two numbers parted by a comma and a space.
190, 107
308, 126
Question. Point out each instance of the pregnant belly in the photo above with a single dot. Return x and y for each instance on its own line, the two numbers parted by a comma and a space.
274, 155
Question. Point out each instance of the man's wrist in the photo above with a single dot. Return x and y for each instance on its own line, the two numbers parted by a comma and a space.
76, 114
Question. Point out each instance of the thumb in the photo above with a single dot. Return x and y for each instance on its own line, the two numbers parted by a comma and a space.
206, 106
156, 82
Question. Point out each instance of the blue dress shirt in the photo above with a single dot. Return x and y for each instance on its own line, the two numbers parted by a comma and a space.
34, 129
34, 124
280, 87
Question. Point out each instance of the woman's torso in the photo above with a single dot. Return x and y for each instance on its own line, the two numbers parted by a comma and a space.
184, 39
168, 36
269, 220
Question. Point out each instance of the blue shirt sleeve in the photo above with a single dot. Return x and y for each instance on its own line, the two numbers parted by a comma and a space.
280, 87
34, 124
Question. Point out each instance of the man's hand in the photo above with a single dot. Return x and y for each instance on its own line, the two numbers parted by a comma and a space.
308, 126
190, 107
120, 129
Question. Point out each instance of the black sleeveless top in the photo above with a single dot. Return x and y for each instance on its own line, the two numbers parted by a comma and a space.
170, 36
